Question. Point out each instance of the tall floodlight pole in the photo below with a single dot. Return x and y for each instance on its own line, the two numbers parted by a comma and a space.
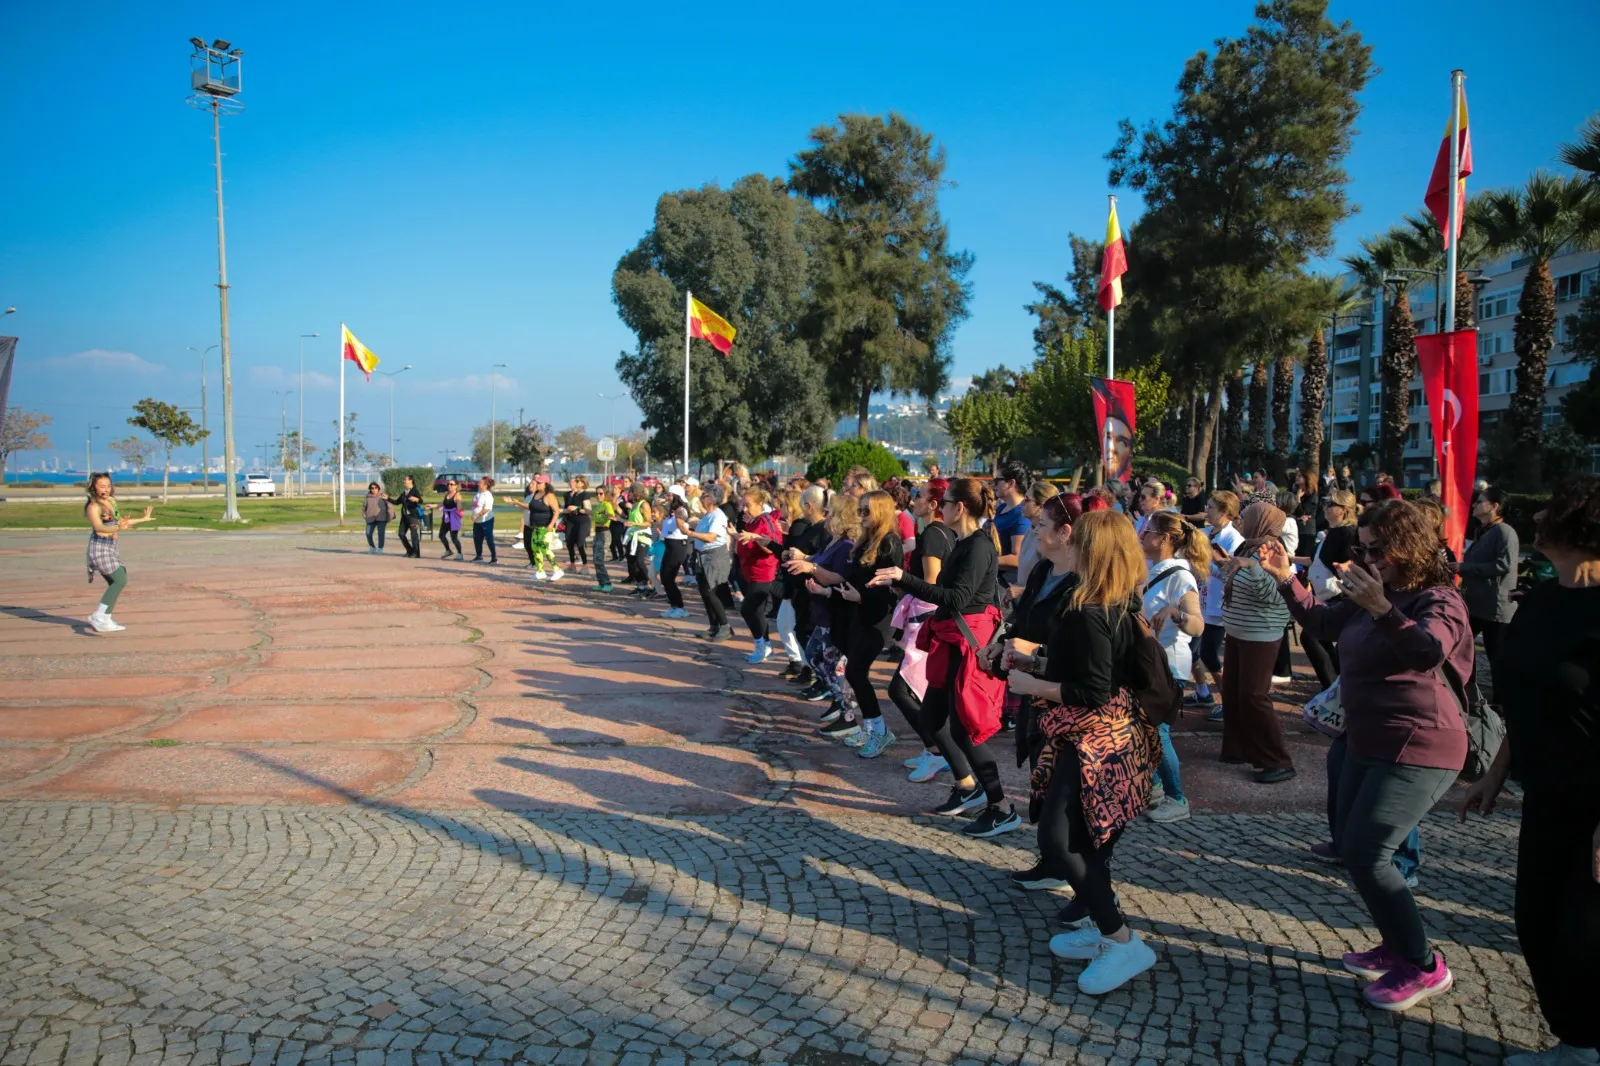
214, 75
1458, 81
300, 441
612, 400
88, 452
205, 438
283, 433
390, 374
493, 456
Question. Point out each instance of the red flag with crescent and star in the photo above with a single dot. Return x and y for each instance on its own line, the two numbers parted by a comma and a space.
1449, 364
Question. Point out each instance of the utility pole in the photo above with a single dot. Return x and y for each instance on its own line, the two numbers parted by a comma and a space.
300, 441
493, 455
205, 439
88, 453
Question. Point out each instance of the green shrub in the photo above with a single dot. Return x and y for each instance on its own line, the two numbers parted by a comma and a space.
834, 461
1520, 509
394, 479
1171, 474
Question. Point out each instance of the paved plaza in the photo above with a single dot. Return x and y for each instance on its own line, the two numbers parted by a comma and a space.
318, 806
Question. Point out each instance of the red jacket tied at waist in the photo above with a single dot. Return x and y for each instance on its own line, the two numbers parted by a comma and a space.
953, 664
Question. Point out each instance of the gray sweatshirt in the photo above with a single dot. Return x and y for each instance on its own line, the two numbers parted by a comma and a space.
1489, 573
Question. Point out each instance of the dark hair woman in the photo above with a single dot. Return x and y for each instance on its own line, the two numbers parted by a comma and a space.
1402, 629
483, 522
105, 523
910, 682
1094, 775
760, 538
450, 519
1549, 688
806, 535
1488, 571
960, 692
376, 513
576, 521
1255, 618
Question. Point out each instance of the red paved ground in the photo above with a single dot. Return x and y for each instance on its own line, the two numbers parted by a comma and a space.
294, 668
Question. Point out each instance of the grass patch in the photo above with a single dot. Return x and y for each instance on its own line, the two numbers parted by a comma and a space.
199, 514
162, 742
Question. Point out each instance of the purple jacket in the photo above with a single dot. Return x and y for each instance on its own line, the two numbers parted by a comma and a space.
1397, 705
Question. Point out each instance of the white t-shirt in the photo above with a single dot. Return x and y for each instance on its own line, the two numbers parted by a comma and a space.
483, 506
670, 530
1291, 535
1228, 540
713, 522
1169, 592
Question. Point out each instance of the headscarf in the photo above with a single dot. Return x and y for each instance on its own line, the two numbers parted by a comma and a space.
1260, 523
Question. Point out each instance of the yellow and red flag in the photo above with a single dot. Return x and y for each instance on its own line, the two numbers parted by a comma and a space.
710, 327
356, 352
1114, 264
1438, 195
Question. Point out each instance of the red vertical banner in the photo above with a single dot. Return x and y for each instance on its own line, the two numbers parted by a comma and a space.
1114, 423
1449, 364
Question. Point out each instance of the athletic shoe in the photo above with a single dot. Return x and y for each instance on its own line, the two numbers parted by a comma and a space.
538, 575
876, 745
1081, 944
602, 588
961, 800
557, 574
111, 625
927, 768
1326, 853
915, 760
460, 558
1371, 964
835, 709
676, 612
992, 822
818, 691
804, 678
760, 653
1174, 810
100, 622
1274, 775
1158, 793
1560, 1055
859, 738
1407, 985
1280, 679
1037, 879
1411, 879
725, 633
1115, 965
1075, 915
841, 727
1193, 700
654, 595
792, 670
1215, 715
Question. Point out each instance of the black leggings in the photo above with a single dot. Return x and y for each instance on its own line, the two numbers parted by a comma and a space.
966, 759
617, 529
1324, 656
911, 708
1492, 632
578, 539
1284, 667
446, 535
411, 537
639, 564
1558, 910
760, 607
865, 644
380, 527
673, 557
1067, 849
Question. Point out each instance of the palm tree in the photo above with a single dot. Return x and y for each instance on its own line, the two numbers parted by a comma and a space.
1332, 300
1584, 154
1420, 239
1538, 222
1375, 269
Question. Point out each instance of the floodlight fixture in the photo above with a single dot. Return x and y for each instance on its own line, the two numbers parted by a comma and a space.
220, 45
197, 42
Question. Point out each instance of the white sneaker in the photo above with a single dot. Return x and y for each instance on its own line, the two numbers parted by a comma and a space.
1115, 964
100, 622
1157, 794
111, 625
928, 767
1174, 810
538, 575
557, 574
1280, 679
760, 653
1081, 944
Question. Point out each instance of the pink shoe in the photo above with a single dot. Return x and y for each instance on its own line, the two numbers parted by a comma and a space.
1406, 985
1371, 964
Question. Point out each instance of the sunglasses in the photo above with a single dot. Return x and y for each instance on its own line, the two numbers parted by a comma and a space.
1368, 551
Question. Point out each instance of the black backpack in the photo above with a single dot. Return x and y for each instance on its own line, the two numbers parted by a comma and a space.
1150, 677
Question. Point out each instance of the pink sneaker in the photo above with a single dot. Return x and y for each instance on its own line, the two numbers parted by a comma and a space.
1405, 986
1371, 964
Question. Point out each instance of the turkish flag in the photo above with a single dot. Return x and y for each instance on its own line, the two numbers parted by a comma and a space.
1450, 382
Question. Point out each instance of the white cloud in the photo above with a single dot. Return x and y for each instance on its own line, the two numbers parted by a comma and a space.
103, 361
959, 386
277, 377
503, 385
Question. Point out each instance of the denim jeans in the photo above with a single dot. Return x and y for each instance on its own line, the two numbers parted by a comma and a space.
482, 533
1167, 768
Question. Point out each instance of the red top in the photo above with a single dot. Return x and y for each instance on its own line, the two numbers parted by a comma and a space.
908, 527
758, 563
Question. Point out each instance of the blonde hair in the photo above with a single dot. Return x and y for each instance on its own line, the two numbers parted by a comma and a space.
576, 479
1352, 510
1227, 502
1110, 565
844, 521
789, 505
756, 495
866, 483
1188, 542
881, 521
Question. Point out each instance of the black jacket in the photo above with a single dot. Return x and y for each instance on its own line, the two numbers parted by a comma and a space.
967, 581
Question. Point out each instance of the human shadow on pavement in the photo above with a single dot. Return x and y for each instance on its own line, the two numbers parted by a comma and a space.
29, 614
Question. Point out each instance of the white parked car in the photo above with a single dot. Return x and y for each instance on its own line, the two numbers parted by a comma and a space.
258, 485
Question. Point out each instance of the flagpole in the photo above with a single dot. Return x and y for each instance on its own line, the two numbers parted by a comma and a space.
341, 423
687, 308
1111, 324
1457, 79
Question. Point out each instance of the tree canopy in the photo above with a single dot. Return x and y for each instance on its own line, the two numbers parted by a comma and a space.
169, 424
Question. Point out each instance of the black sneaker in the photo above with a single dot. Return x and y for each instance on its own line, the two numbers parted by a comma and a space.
1195, 700
846, 725
993, 821
835, 709
791, 671
818, 692
1037, 878
961, 800
805, 678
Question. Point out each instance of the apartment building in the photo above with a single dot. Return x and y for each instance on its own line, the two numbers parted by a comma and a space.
1352, 410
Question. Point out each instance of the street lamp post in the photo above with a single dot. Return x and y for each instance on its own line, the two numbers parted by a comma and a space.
88, 452
214, 75
391, 375
493, 457
612, 400
283, 432
205, 434
300, 442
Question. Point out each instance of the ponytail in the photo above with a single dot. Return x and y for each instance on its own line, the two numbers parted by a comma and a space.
1188, 542
978, 498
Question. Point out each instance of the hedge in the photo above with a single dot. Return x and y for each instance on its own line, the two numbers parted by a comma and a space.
834, 461
1171, 474
394, 478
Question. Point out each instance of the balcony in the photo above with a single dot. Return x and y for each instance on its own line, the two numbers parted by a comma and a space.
1346, 412
1346, 355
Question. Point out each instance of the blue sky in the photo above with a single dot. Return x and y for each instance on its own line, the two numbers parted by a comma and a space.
458, 183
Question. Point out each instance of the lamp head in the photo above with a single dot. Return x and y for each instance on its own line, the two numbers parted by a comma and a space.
220, 45
197, 42
11, 310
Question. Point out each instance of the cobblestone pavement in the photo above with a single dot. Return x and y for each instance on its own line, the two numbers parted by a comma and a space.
326, 808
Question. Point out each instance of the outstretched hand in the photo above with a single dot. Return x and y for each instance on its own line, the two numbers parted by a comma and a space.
887, 576
849, 592
1274, 559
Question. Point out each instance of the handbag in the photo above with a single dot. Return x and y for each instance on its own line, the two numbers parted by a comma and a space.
1324, 712
1324, 583
1486, 730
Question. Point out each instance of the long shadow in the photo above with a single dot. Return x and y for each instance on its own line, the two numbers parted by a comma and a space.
44, 618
